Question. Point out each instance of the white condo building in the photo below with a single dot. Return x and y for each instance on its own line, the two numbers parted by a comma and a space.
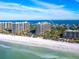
19, 27
1, 27
42, 27
7, 25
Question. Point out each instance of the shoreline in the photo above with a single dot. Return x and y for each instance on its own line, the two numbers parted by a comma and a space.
39, 42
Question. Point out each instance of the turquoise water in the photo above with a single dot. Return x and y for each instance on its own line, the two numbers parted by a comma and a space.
15, 51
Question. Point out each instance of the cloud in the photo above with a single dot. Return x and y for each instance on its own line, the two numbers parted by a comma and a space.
17, 7
47, 5
9, 11
16, 11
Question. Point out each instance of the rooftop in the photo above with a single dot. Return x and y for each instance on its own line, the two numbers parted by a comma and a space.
72, 31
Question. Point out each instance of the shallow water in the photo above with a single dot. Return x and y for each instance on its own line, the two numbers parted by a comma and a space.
15, 51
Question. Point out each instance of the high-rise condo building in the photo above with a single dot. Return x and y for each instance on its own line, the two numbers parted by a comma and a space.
42, 27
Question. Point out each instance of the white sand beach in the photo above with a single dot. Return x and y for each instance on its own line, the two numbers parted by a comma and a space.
39, 42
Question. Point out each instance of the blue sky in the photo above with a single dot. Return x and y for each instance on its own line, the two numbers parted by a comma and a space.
39, 9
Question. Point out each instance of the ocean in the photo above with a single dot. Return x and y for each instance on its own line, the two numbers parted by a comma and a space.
15, 51
51, 21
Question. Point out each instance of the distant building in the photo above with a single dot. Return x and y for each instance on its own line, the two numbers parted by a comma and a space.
42, 27
71, 34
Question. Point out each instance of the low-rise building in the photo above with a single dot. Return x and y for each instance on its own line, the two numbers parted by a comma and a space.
71, 34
